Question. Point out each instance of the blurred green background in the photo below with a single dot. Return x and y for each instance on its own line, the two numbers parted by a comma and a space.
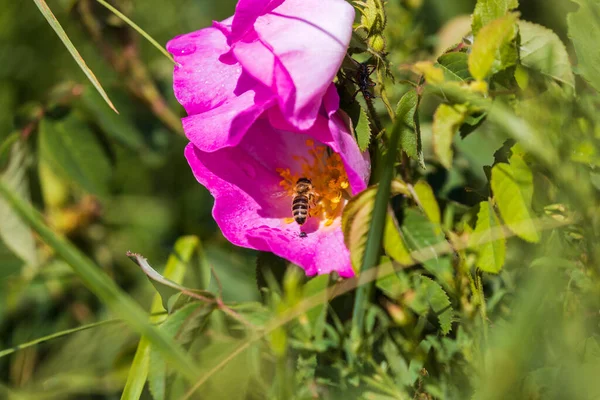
120, 182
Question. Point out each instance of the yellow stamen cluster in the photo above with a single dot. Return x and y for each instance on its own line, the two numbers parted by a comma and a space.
326, 171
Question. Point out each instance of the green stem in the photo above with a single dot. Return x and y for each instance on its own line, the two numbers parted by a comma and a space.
375, 236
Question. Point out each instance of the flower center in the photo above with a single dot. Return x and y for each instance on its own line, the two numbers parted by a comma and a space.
327, 174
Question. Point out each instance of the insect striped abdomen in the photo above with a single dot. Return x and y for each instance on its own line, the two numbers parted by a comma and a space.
300, 208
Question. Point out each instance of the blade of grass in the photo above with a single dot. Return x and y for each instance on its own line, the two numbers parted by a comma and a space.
102, 286
137, 29
6, 352
175, 270
47, 13
138, 373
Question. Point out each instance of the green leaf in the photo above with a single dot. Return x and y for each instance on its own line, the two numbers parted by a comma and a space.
429, 295
47, 13
175, 270
356, 221
362, 130
119, 127
446, 122
410, 132
542, 50
394, 243
512, 185
103, 286
72, 150
177, 326
584, 30
455, 66
487, 11
425, 241
14, 232
427, 201
494, 48
491, 252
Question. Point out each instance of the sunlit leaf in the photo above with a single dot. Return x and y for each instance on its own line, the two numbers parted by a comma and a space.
512, 185
584, 29
47, 13
430, 71
394, 243
446, 121
410, 133
487, 11
356, 221
491, 252
494, 48
542, 50
427, 201
14, 232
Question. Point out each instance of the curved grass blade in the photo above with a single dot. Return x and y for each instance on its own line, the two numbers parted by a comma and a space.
6, 352
137, 29
47, 13
138, 373
103, 287
176, 267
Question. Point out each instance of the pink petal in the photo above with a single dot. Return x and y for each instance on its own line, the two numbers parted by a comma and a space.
221, 99
246, 13
297, 53
225, 125
357, 164
245, 184
200, 80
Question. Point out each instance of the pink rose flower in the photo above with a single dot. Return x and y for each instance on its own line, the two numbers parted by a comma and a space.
252, 183
271, 52
263, 112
